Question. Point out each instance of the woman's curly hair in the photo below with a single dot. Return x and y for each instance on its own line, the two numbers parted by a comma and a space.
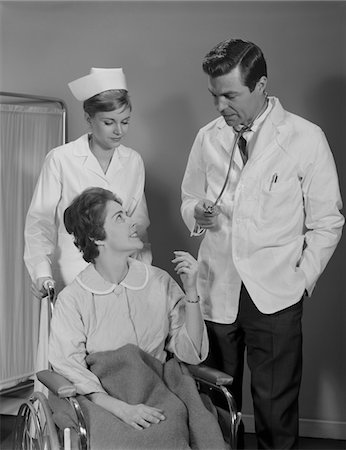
85, 217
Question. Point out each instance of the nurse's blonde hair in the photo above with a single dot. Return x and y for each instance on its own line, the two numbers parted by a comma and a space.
107, 101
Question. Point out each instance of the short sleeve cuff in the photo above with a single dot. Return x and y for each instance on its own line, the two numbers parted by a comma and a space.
89, 388
186, 351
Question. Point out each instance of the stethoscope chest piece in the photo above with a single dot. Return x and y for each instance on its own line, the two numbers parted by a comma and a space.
210, 209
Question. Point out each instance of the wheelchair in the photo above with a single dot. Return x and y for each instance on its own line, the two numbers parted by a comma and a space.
35, 428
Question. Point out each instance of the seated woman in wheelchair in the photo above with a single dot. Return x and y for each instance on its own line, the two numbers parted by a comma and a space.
118, 300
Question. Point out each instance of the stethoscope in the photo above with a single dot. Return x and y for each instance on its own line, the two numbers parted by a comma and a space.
210, 209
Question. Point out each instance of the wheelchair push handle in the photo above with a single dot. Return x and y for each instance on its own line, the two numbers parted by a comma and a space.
49, 286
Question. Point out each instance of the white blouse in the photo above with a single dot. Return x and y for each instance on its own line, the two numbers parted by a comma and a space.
146, 309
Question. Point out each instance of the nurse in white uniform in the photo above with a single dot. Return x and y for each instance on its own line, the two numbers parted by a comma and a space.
97, 159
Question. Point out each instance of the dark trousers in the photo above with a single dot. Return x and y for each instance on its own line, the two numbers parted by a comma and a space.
274, 355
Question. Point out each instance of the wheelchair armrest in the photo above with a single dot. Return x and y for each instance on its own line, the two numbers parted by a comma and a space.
206, 373
56, 383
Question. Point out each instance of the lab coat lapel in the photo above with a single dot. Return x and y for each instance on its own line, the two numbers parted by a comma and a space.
271, 133
87, 159
93, 165
265, 141
225, 139
116, 163
114, 167
90, 163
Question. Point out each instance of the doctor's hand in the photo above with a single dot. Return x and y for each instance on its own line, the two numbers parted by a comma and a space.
206, 219
40, 288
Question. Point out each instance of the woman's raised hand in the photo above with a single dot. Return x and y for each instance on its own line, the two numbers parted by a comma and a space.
187, 268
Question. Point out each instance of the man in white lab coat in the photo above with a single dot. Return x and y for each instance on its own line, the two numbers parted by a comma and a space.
261, 183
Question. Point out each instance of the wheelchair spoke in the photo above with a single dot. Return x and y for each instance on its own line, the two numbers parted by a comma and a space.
34, 428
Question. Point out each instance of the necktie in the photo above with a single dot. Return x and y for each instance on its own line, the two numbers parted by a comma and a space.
242, 148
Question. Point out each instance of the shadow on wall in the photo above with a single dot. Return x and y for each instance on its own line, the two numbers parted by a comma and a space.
173, 129
167, 231
327, 103
324, 345
325, 311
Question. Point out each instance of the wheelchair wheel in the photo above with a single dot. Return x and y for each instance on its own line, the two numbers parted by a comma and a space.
35, 428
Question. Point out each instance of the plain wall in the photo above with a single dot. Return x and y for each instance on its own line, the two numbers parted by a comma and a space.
160, 45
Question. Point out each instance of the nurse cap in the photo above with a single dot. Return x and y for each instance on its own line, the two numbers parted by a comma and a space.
97, 81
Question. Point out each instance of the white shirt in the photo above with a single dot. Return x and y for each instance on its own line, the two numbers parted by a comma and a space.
66, 172
91, 315
251, 135
279, 221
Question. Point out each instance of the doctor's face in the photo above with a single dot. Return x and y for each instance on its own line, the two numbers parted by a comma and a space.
109, 127
120, 230
233, 99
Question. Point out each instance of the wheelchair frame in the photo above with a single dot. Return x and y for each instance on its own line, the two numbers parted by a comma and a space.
35, 428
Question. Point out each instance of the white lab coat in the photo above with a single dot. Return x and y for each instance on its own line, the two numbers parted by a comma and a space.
67, 171
279, 222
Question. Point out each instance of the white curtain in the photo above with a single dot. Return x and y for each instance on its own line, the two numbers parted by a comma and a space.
27, 132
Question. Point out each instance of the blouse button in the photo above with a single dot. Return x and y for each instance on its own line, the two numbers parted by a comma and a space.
117, 290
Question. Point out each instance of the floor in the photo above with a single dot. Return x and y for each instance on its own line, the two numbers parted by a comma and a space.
7, 424
304, 443
10, 403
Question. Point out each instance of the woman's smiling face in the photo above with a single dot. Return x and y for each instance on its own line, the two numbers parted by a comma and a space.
121, 232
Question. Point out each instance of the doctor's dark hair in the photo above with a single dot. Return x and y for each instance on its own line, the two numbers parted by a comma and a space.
85, 218
231, 53
107, 101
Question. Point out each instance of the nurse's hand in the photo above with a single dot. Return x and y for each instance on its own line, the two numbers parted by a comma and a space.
206, 215
40, 289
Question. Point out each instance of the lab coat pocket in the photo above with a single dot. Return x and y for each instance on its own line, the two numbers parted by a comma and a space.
278, 198
275, 186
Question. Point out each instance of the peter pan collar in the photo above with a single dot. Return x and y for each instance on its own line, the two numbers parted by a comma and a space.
135, 279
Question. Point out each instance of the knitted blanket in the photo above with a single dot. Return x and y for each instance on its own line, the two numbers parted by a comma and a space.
134, 376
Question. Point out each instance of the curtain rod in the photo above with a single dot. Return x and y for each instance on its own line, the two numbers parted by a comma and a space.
34, 97
45, 99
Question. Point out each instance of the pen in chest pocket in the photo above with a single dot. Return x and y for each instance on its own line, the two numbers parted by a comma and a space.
273, 180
